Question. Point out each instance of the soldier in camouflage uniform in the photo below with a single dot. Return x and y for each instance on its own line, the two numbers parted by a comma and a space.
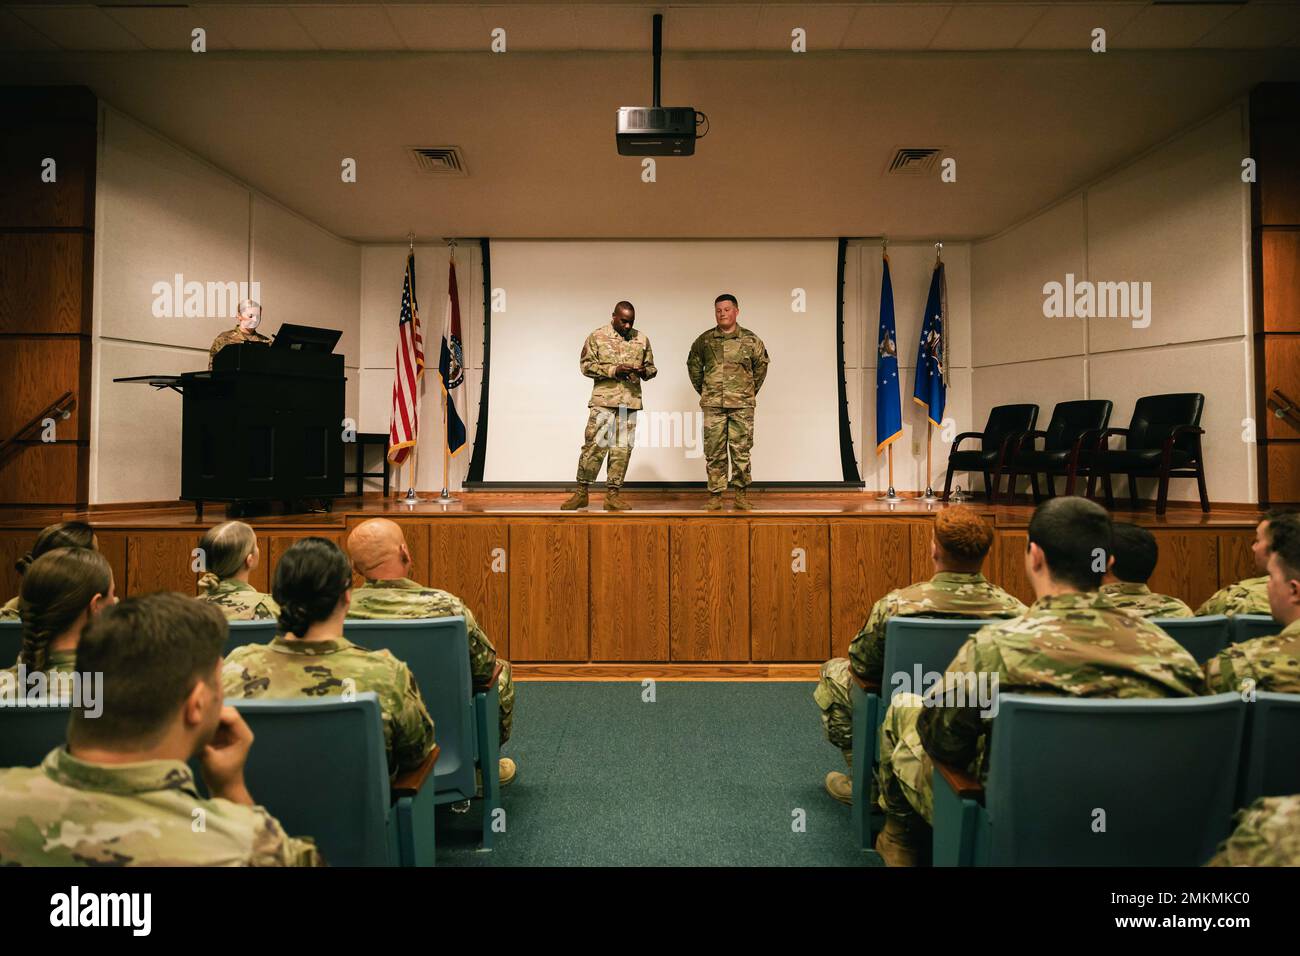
1269, 663
64, 590
1133, 558
1267, 834
230, 554
617, 358
380, 555
727, 366
961, 542
1071, 642
64, 534
250, 316
121, 792
1250, 595
237, 600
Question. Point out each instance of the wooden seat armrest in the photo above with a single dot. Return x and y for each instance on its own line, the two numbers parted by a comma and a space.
491, 682
966, 786
409, 782
958, 440
868, 686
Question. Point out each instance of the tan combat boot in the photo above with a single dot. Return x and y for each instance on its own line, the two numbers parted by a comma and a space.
741, 502
576, 500
614, 500
901, 843
506, 771
840, 785
715, 502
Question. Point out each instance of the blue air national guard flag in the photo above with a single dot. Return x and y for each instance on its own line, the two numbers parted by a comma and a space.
889, 413
932, 353
451, 363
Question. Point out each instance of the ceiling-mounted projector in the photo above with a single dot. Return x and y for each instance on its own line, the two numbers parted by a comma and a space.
657, 130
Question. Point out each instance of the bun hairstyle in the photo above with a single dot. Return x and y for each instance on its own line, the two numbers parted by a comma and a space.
56, 591
65, 534
225, 548
309, 582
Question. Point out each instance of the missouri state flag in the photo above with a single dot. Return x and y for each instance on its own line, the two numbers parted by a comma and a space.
931, 389
889, 412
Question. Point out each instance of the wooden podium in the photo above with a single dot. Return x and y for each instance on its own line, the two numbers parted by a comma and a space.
265, 424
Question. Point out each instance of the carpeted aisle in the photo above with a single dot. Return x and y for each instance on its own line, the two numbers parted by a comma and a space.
707, 774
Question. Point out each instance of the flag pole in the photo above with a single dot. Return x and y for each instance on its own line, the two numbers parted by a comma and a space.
929, 463
446, 498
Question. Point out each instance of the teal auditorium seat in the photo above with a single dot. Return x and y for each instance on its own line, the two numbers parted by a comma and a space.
465, 718
11, 642
1247, 627
1202, 637
250, 632
27, 734
1163, 772
931, 643
1270, 766
319, 767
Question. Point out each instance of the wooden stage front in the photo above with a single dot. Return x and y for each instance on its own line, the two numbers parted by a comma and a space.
664, 590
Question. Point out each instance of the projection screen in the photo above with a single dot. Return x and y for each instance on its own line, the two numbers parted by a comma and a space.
549, 295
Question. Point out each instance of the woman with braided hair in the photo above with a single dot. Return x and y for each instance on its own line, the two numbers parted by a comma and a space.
230, 554
65, 534
63, 592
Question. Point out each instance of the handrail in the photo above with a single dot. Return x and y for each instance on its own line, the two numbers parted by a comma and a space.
1283, 408
60, 407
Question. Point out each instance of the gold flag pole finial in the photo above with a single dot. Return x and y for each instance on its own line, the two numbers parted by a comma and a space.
410, 241
938, 251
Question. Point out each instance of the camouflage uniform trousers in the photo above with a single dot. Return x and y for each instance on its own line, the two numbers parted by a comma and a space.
834, 696
728, 430
905, 767
611, 430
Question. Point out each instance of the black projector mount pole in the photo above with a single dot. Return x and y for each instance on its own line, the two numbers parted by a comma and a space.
658, 52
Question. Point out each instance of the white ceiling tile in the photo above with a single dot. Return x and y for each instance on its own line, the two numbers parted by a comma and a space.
349, 27
1256, 25
824, 25
1069, 26
981, 26
15, 34
168, 28
443, 27
711, 27
609, 26
1170, 27
887, 27
533, 27
80, 27
247, 27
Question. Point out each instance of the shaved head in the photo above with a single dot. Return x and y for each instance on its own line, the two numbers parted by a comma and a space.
378, 549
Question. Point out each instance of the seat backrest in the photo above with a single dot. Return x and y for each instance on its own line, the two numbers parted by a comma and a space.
1271, 767
28, 733
250, 632
1007, 420
1155, 416
919, 646
319, 767
1247, 627
1203, 637
11, 642
1159, 775
437, 652
1072, 419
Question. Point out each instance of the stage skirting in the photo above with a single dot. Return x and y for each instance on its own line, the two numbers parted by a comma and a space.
666, 590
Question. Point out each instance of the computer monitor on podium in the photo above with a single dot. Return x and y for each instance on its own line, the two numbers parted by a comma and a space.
306, 338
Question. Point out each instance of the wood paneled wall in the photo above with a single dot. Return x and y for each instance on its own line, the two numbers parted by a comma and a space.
752, 590
1275, 254
47, 233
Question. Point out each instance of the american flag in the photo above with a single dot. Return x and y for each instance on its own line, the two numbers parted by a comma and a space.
404, 426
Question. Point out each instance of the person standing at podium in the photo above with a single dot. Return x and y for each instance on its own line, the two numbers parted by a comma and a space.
250, 316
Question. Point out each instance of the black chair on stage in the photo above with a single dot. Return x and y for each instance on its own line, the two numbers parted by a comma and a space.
1162, 441
1068, 445
999, 441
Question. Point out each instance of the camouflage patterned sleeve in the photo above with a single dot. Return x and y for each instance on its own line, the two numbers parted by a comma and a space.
648, 370
951, 735
1225, 672
587, 360
695, 366
759, 363
273, 847
267, 609
412, 725
482, 652
1267, 834
1214, 604
867, 650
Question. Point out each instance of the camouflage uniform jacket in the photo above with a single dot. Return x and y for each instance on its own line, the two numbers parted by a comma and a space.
947, 594
401, 598
1267, 834
1249, 596
728, 368
9, 610
295, 668
605, 349
1065, 645
67, 812
1140, 598
1271, 663
56, 662
240, 601
234, 337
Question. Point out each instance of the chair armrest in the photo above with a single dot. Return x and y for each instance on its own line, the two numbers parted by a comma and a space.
962, 783
870, 687
408, 783
958, 440
1104, 437
491, 681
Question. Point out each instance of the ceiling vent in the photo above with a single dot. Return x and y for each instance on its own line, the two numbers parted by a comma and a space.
439, 160
912, 161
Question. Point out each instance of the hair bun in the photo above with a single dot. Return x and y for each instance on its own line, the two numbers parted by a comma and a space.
23, 563
208, 581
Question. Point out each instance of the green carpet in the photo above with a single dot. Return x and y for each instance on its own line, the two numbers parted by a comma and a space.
710, 774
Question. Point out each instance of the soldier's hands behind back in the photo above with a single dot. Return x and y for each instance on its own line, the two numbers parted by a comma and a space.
223, 758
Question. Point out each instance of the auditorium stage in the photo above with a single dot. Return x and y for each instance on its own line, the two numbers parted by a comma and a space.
665, 590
